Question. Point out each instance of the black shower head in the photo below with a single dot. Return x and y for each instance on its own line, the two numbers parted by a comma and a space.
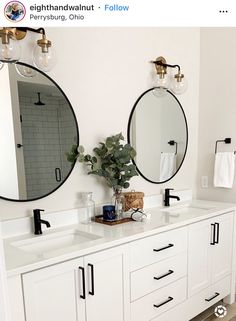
39, 102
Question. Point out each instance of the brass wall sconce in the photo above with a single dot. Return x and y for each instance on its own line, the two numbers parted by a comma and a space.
164, 81
10, 50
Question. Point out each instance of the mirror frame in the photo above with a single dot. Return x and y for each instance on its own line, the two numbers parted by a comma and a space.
77, 130
129, 136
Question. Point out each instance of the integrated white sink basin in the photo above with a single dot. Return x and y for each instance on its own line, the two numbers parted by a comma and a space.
187, 208
54, 241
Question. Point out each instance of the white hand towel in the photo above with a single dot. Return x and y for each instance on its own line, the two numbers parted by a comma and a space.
167, 166
224, 169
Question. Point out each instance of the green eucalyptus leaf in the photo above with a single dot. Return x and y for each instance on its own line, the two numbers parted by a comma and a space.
119, 137
71, 158
109, 142
133, 153
80, 149
126, 185
94, 160
97, 151
87, 158
81, 158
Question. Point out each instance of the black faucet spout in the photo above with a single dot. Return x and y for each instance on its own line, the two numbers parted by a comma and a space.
38, 221
175, 197
46, 223
168, 197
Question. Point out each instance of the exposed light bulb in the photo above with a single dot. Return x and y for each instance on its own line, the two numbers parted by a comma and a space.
25, 71
44, 56
162, 81
6, 52
10, 51
179, 84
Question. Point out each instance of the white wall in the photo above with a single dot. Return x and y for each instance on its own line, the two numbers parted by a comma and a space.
217, 114
103, 71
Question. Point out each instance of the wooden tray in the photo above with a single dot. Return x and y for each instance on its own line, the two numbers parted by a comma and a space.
99, 219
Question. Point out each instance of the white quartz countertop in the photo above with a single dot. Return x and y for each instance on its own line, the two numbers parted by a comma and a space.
162, 219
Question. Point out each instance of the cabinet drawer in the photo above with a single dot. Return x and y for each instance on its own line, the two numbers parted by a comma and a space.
213, 294
158, 247
176, 314
158, 275
151, 305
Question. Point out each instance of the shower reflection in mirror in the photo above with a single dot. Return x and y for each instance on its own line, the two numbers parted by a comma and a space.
37, 129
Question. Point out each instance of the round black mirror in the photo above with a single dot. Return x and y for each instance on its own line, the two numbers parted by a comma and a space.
38, 128
158, 131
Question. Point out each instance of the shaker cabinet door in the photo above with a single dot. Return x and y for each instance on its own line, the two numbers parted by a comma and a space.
107, 283
209, 252
222, 250
199, 259
54, 293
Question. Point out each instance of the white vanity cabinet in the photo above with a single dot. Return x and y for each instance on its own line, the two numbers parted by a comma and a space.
91, 288
171, 275
209, 252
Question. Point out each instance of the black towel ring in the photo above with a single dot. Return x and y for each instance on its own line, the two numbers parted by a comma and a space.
226, 141
172, 143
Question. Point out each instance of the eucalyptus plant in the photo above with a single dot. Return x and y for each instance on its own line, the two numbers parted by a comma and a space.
112, 160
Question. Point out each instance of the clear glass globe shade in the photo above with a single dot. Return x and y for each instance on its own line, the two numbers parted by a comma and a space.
1, 65
11, 51
25, 71
163, 82
44, 60
179, 87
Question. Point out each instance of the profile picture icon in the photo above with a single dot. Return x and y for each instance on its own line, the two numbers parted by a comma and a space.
14, 11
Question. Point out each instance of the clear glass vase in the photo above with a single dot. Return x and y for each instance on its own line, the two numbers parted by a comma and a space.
118, 200
89, 206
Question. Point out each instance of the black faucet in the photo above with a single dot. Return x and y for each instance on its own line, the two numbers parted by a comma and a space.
168, 196
38, 221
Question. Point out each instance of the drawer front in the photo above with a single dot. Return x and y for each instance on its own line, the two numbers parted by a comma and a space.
158, 275
158, 247
208, 297
175, 314
159, 301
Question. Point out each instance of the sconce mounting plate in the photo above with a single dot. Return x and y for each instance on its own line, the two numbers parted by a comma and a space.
160, 68
14, 33
19, 34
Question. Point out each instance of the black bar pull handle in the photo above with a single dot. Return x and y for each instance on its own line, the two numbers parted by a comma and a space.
217, 233
213, 297
92, 278
83, 296
167, 301
58, 174
164, 275
213, 234
163, 248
